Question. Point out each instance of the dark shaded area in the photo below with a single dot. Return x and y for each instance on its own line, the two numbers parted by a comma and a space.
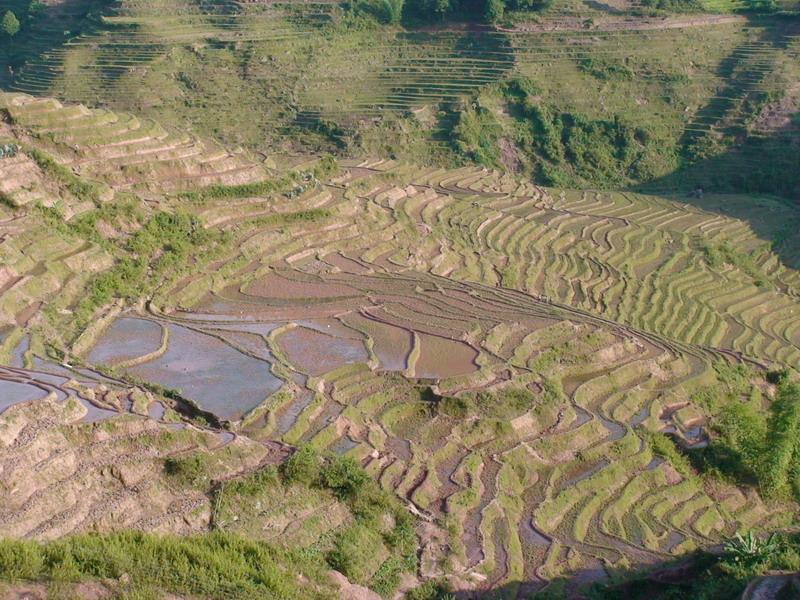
691, 578
774, 219
768, 165
45, 28
720, 152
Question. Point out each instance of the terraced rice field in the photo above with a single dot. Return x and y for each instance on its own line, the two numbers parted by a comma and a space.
493, 352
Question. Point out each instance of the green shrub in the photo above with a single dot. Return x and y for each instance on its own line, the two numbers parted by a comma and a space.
735, 452
431, 590
783, 433
403, 537
675, 5
387, 578
605, 69
10, 24
724, 253
354, 552
160, 249
344, 476
254, 484
302, 467
476, 135
325, 167
663, 446
188, 470
777, 376
78, 187
215, 565
495, 9
749, 554
456, 407
503, 404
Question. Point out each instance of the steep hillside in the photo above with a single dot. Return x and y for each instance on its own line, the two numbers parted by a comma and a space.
552, 382
572, 94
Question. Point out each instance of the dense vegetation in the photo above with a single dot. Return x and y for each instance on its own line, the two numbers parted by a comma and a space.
214, 565
748, 446
161, 247
373, 547
558, 148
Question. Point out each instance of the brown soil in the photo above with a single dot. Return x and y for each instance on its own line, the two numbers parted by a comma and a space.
59, 475
779, 115
275, 286
351, 590
510, 155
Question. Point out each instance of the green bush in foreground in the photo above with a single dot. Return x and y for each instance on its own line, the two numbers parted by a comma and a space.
188, 470
373, 546
216, 565
355, 550
302, 467
779, 463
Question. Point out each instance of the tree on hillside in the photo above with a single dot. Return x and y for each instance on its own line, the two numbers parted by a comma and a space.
495, 10
393, 10
779, 464
10, 24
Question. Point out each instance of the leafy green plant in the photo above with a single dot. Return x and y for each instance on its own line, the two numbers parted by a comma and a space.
663, 446
605, 69
214, 565
476, 134
432, 590
392, 11
80, 188
783, 432
750, 552
355, 550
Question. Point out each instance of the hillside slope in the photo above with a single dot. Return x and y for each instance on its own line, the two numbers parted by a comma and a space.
525, 368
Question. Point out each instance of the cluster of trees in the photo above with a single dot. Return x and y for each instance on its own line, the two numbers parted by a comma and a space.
564, 149
753, 447
10, 23
436, 11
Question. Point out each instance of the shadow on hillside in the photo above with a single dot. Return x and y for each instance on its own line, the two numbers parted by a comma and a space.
672, 580
765, 172
45, 29
742, 71
758, 164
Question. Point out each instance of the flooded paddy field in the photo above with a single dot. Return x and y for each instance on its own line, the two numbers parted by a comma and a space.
316, 353
127, 338
14, 392
219, 378
440, 358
